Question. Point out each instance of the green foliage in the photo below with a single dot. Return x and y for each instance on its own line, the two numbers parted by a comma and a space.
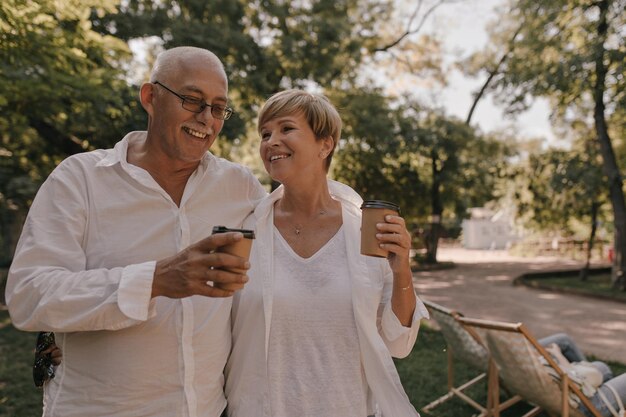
266, 45
402, 152
556, 187
61, 89
554, 54
18, 394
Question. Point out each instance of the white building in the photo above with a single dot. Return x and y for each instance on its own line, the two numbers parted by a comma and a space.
488, 230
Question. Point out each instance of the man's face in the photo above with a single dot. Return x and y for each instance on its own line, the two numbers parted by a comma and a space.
181, 135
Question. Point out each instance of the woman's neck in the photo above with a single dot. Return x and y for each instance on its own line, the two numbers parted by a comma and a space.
308, 200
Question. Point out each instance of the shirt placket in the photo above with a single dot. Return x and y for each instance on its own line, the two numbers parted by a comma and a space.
188, 325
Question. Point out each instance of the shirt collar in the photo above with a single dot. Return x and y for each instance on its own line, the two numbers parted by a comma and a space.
119, 154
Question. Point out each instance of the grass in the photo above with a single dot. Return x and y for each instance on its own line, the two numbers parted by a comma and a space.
424, 377
596, 284
18, 394
423, 374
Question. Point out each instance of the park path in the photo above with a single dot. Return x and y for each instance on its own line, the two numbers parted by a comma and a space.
480, 286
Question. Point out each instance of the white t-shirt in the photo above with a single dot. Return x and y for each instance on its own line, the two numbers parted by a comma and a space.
314, 357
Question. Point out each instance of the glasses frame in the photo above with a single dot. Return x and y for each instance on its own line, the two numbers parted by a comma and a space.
228, 111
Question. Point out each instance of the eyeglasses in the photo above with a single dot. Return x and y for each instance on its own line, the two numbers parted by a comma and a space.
43, 368
197, 105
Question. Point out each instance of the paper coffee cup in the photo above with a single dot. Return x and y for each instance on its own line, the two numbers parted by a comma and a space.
374, 211
240, 248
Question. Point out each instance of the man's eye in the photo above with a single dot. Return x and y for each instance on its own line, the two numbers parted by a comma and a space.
193, 100
218, 108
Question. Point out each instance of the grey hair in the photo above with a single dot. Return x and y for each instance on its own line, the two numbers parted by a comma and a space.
168, 61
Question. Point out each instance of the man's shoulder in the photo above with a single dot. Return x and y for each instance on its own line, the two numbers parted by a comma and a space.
83, 161
230, 168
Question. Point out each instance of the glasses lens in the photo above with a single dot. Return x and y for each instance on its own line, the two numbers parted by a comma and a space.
193, 105
218, 112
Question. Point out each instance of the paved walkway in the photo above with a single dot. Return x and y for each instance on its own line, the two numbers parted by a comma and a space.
480, 286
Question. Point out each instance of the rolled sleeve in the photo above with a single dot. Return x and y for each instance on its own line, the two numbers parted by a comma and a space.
400, 339
135, 291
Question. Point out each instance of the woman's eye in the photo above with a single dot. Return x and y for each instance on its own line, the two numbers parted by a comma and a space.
265, 136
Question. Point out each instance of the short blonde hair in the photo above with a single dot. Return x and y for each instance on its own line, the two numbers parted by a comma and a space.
322, 117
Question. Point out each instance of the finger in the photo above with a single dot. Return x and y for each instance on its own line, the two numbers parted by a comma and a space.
56, 353
49, 350
218, 240
226, 261
390, 218
215, 292
395, 249
391, 228
222, 276
229, 287
402, 240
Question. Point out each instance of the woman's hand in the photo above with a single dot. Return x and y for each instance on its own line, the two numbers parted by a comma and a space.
395, 238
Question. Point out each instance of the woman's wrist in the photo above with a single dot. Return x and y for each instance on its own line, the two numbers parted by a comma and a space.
403, 281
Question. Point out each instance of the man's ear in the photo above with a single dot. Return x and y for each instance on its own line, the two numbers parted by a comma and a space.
146, 97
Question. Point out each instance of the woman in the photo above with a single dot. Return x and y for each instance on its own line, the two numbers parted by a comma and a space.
315, 329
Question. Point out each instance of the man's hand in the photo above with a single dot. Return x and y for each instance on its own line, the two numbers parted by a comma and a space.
196, 269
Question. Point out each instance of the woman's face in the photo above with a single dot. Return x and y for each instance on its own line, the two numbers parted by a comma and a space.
289, 148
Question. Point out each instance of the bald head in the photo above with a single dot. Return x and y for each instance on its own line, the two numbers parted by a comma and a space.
172, 62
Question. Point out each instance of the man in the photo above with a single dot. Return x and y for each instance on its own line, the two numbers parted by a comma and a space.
115, 259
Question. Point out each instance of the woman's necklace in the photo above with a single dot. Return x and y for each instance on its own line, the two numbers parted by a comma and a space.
297, 227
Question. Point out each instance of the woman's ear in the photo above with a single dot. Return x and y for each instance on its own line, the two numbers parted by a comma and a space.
327, 146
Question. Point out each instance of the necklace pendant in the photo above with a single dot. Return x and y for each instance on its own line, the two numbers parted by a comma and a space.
297, 231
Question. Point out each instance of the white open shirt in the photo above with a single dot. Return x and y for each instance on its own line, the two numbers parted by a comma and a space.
84, 268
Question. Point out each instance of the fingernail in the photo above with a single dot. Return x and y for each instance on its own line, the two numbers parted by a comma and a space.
246, 265
379, 235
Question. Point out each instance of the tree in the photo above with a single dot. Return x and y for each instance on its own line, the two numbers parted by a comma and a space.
432, 165
62, 91
265, 45
573, 52
556, 188
464, 166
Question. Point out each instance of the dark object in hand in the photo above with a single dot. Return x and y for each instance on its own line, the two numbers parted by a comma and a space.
43, 368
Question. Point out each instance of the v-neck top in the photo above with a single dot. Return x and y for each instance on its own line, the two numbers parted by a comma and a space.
314, 369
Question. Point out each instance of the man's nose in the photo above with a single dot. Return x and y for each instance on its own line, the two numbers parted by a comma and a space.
206, 115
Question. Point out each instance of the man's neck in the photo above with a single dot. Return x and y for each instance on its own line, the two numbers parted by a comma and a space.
172, 176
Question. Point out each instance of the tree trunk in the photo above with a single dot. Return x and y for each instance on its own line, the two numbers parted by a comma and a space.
584, 273
437, 211
610, 166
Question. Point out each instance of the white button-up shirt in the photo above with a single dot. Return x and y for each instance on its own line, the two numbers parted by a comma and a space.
84, 267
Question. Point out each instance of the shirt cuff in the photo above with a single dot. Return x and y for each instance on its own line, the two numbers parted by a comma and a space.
134, 296
391, 324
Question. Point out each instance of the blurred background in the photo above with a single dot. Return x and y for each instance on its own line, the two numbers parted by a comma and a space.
495, 124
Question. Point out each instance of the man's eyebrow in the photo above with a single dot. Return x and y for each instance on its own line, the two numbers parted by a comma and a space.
194, 89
